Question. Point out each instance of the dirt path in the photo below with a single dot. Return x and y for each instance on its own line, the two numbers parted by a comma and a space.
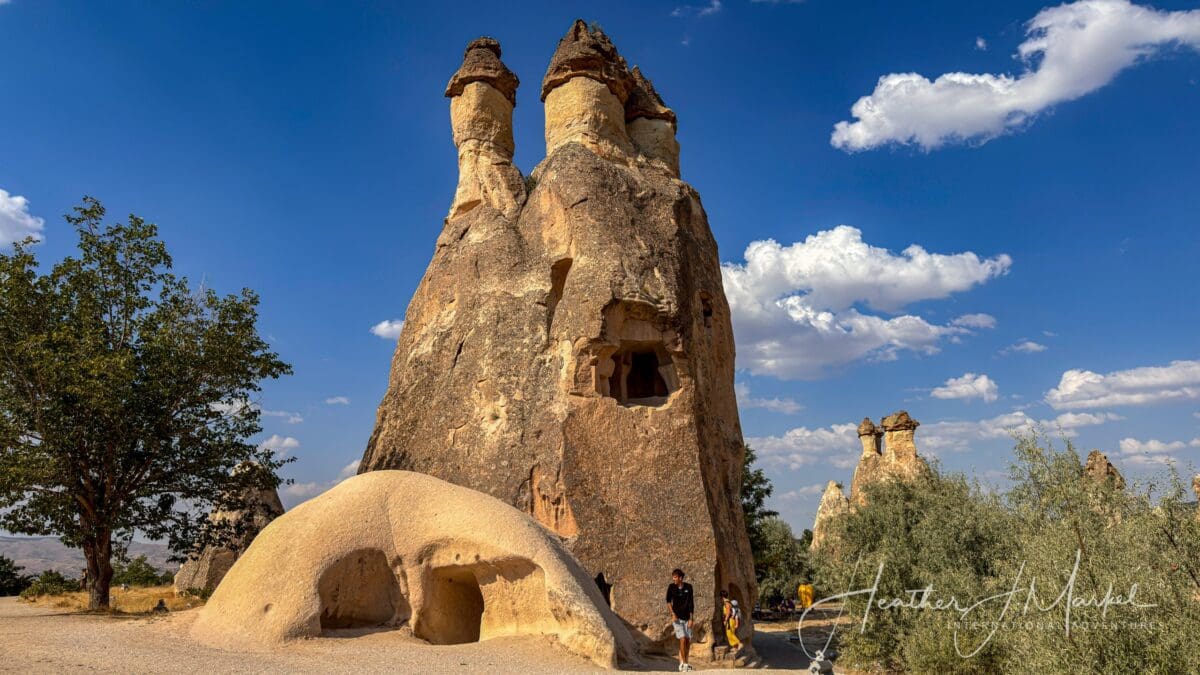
36, 639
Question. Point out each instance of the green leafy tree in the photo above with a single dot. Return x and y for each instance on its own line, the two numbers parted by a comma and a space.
137, 572
123, 396
784, 560
756, 488
12, 582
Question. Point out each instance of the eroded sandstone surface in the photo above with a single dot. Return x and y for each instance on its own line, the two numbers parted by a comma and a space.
569, 349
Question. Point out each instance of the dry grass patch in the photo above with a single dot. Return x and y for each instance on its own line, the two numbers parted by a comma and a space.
139, 600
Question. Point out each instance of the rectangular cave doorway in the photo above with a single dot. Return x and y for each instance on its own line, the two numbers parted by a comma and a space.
453, 610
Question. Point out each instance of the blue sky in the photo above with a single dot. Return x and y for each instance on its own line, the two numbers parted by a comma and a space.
303, 150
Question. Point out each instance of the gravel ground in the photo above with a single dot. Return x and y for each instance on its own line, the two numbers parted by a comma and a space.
41, 640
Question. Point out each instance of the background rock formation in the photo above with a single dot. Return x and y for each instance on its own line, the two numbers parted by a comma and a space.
1099, 469
833, 504
889, 452
394, 548
206, 570
569, 350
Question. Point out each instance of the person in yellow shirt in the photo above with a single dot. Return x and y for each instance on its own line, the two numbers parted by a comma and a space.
732, 619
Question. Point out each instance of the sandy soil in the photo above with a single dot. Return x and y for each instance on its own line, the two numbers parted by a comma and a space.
46, 639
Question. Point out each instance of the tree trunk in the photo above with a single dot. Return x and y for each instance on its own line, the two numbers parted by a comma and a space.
98, 553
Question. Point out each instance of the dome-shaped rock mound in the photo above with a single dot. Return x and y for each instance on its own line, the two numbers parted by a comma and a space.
394, 548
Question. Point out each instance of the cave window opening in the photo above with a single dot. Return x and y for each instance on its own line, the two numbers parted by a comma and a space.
605, 588
706, 310
643, 373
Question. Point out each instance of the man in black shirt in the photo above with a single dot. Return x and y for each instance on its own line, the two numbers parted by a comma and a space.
681, 604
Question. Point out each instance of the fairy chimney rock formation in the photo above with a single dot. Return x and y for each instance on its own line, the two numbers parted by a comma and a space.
206, 570
1099, 469
889, 451
833, 504
570, 351
482, 96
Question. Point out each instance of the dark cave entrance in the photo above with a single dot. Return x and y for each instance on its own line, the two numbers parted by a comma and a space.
638, 375
605, 588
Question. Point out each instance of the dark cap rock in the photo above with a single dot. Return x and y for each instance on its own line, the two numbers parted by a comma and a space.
481, 63
867, 428
644, 100
586, 53
899, 421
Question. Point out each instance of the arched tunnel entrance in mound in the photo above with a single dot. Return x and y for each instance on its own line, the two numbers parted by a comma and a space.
361, 591
483, 600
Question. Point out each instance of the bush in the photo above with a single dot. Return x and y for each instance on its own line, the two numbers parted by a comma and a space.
944, 533
50, 582
12, 582
137, 572
939, 529
201, 593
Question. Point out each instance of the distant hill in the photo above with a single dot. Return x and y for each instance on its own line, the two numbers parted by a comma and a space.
37, 554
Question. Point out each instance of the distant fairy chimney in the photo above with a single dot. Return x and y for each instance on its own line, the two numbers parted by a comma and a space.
482, 95
833, 504
898, 431
1099, 469
871, 437
889, 451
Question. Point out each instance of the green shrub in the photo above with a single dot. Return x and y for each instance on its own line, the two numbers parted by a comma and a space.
966, 543
940, 530
50, 582
202, 593
137, 572
12, 582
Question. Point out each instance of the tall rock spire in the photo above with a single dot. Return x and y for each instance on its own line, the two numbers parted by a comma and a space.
576, 359
585, 89
651, 124
482, 95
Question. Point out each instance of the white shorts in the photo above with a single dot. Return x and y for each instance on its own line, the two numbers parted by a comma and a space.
682, 630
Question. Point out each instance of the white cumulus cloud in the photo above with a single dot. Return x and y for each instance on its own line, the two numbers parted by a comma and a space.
1070, 50
960, 435
1130, 446
1079, 389
389, 329
337, 400
975, 321
305, 490
837, 444
803, 308
280, 445
289, 417
349, 470
1024, 347
785, 405
967, 387
16, 222
803, 494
